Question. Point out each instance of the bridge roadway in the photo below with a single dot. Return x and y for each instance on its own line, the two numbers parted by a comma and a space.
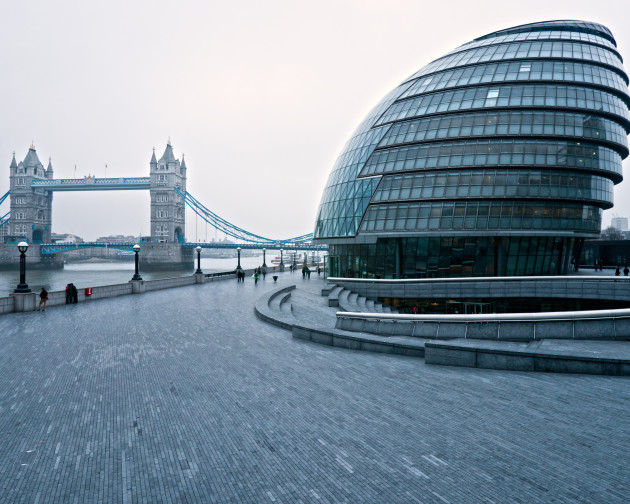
52, 248
183, 396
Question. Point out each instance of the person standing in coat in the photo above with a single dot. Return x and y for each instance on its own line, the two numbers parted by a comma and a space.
43, 297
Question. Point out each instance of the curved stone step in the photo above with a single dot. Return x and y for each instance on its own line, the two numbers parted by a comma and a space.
369, 305
361, 301
328, 289
343, 298
333, 296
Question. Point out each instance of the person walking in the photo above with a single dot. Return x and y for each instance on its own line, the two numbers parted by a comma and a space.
256, 275
626, 271
43, 297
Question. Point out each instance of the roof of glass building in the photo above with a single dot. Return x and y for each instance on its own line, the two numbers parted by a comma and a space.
520, 131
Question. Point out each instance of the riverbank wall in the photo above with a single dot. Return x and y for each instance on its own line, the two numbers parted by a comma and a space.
29, 301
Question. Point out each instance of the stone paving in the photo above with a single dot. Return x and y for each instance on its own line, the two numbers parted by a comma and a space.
184, 396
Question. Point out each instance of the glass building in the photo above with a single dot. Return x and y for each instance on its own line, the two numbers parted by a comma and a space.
495, 159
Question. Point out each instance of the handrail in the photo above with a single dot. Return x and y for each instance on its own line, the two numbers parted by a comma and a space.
621, 313
573, 278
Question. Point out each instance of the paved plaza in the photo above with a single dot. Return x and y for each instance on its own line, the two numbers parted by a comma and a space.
184, 396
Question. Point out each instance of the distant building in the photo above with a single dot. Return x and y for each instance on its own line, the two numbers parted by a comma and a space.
620, 223
65, 238
118, 239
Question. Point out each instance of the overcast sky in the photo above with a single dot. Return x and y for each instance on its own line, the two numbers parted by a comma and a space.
260, 96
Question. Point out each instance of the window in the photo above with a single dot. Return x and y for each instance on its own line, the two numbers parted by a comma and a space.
161, 178
161, 197
20, 215
491, 97
20, 229
161, 230
162, 214
525, 67
20, 181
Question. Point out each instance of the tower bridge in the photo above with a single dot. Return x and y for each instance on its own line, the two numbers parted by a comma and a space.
30, 215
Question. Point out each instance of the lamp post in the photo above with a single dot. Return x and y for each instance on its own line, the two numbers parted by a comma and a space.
22, 286
264, 257
305, 258
136, 276
281, 260
198, 272
239, 259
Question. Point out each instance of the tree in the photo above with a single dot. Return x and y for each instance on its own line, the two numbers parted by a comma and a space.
612, 233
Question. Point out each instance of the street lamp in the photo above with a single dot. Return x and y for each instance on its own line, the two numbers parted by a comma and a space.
281, 261
264, 256
239, 259
305, 258
136, 276
22, 286
198, 272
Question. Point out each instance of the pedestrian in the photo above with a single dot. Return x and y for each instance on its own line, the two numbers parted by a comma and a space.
319, 270
415, 310
43, 297
303, 271
308, 272
626, 271
68, 294
256, 275
617, 271
75, 293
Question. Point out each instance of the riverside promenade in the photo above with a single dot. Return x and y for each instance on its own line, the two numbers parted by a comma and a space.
184, 396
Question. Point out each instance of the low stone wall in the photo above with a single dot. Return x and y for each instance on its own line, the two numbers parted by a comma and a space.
573, 287
458, 353
168, 283
6, 305
584, 325
29, 301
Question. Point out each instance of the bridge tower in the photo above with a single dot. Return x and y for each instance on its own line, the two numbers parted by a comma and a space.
31, 216
168, 212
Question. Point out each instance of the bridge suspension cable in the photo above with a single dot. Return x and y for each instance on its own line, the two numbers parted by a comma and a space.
4, 219
5, 196
232, 230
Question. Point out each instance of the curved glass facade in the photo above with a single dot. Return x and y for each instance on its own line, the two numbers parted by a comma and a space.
496, 159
